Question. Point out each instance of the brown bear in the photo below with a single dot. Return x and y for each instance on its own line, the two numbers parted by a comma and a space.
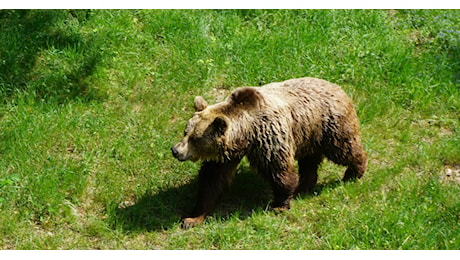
303, 119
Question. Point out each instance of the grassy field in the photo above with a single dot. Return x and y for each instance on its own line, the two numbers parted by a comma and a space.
92, 101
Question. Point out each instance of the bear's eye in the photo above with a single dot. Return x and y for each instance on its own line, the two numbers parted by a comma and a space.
194, 139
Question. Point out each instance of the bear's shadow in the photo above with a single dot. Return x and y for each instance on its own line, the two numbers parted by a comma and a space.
165, 209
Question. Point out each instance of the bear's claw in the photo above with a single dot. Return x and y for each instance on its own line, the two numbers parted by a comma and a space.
192, 222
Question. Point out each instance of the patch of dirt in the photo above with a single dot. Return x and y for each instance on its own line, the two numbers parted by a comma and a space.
451, 173
130, 201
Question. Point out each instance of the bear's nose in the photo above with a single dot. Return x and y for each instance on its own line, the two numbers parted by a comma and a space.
174, 151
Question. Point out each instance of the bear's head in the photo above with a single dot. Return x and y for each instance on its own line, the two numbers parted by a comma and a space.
207, 136
204, 135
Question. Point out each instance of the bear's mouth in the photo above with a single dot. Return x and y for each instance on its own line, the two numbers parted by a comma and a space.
181, 159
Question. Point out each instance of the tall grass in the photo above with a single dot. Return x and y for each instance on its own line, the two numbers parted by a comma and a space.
92, 100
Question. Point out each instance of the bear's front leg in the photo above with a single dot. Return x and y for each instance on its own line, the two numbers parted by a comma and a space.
214, 179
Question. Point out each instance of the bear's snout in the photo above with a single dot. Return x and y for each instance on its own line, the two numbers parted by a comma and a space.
174, 152
180, 152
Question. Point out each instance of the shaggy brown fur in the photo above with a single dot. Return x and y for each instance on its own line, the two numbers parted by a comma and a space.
302, 119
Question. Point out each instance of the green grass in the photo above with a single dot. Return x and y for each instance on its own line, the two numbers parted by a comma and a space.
92, 101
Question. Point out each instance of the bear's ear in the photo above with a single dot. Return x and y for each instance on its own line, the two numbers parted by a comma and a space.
247, 98
200, 104
220, 125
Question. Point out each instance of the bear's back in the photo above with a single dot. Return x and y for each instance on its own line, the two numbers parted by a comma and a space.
312, 93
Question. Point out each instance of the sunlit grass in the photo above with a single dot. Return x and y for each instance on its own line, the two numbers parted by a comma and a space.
91, 102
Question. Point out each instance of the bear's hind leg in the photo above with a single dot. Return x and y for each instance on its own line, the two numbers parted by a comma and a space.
308, 172
357, 163
352, 155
